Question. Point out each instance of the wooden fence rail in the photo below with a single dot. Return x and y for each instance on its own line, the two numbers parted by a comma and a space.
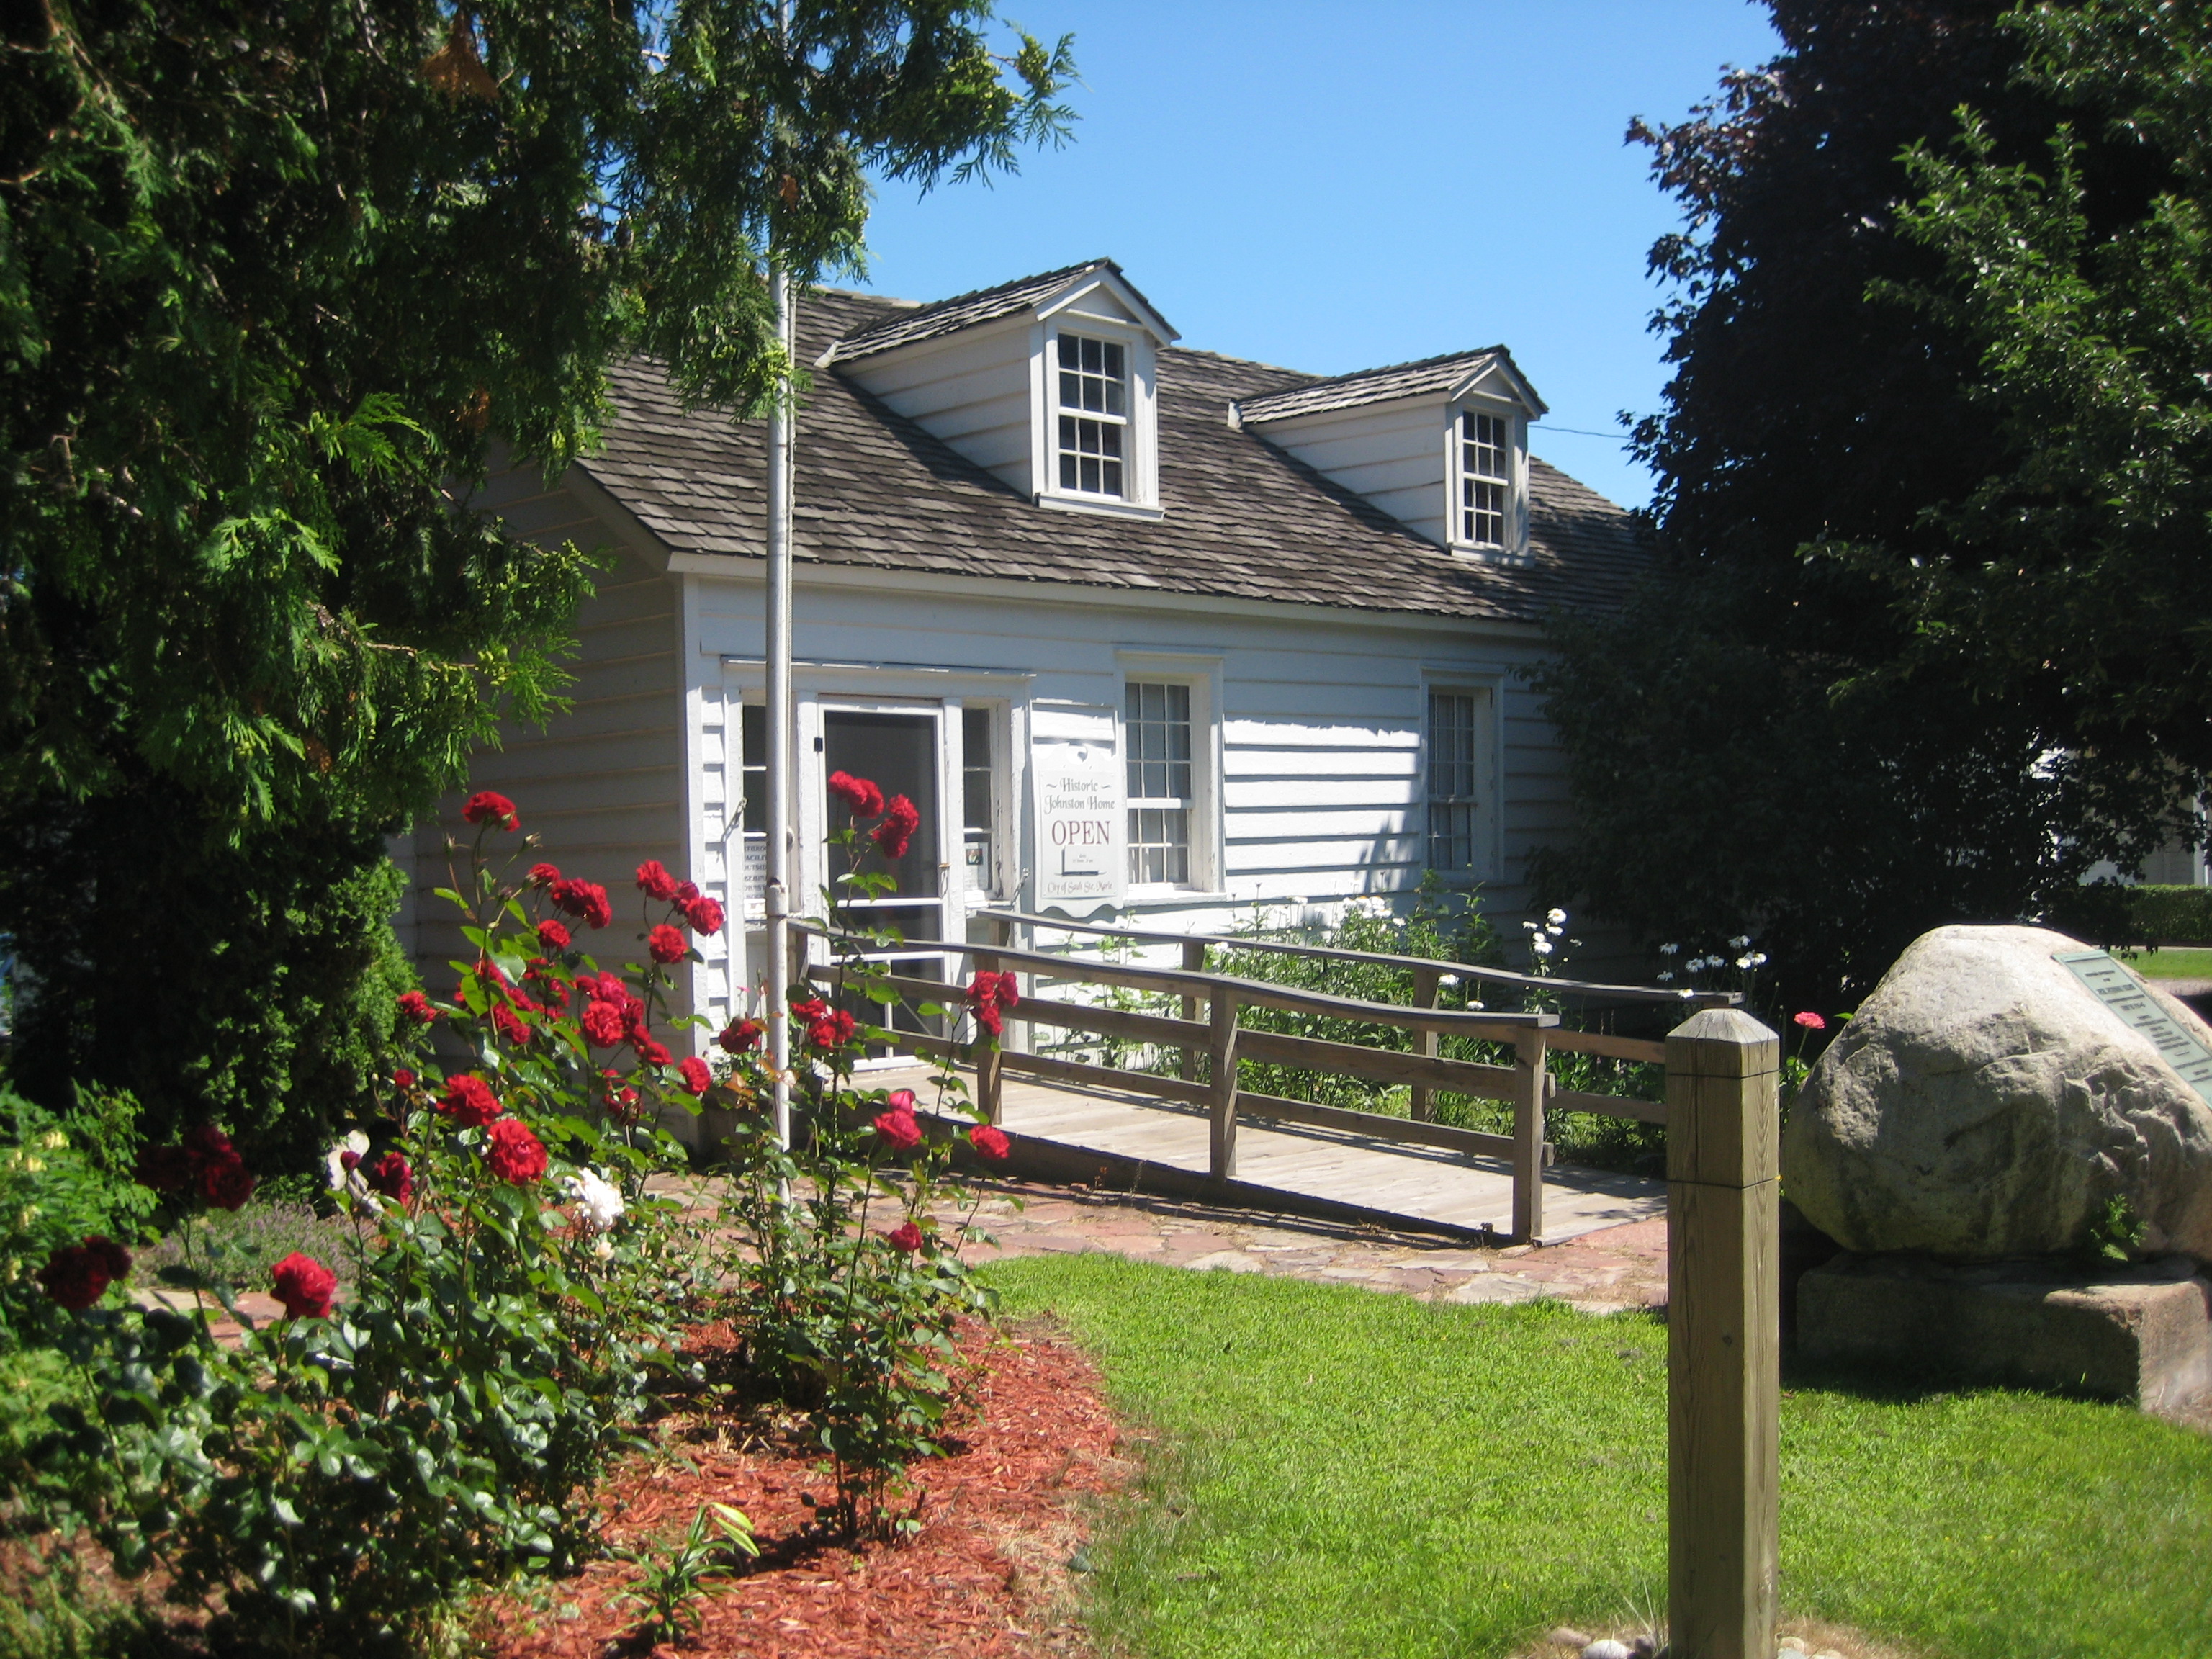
1210, 1048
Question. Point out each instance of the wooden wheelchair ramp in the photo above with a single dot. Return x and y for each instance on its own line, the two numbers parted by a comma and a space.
1127, 1141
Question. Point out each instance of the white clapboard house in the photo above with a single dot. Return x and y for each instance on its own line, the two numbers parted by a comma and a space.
1141, 630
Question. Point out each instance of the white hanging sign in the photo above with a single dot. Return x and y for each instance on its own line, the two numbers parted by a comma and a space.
1081, 846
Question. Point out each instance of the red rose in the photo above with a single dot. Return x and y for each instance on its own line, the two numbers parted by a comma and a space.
1811, 1021
905, 1238
650, 1048
509, 1024
304, 1286
900, 1100
862, 798
809, 1008
740, 1036
543, 875
468, 1102
226, 1182
516, 1155
110, 1258
553, 935
654, 881
998, 989
404, 1078
77, 1275
666, 944
486, 806
899, 1128
392, 1176
900, 821
603, 1024
704, 916
166, 1168
833, 1031
686, 891
417, 1007
586, 899
991, 1143
989, 994
697, 1076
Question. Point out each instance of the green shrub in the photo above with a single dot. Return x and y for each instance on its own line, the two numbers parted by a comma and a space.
2115, 916
62, 1177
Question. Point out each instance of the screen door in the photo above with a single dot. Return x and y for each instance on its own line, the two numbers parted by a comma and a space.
898, 752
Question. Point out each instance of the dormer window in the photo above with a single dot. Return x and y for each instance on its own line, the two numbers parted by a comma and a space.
1486, 482
1051, 384
1094, 415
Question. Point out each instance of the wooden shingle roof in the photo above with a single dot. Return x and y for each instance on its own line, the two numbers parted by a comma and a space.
1431, 377
1240, 518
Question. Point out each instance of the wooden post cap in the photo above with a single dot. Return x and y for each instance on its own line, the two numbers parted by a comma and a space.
1724, 1110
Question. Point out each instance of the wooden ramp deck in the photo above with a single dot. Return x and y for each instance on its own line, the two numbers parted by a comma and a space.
1133, 1142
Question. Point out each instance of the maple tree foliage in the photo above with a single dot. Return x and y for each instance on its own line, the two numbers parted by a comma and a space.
1925, 640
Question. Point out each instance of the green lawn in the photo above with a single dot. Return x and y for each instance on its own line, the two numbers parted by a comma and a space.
1353, 1474
2178, 962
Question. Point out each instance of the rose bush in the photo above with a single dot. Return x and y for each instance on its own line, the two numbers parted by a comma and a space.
846, 1284
336, 1474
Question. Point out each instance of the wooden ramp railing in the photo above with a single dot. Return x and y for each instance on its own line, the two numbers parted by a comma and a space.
1210, 1047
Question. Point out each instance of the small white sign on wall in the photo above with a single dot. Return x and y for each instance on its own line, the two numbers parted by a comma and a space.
1082, 850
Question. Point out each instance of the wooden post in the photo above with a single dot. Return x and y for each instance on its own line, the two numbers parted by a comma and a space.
1194, 961
990, 1070
1723, 1335
1531, 1083
1222, 1152
1421, 1101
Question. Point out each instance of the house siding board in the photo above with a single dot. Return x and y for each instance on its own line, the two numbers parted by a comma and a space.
972, 391
1321, 792
601, 784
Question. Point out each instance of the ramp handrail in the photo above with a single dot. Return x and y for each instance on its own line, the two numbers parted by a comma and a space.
1212, 1046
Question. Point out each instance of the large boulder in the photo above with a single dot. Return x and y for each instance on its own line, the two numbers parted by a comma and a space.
1984, 1103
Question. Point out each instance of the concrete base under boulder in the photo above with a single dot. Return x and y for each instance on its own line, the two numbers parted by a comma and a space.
2140, 1333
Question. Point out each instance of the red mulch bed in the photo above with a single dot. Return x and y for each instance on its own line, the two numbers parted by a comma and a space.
986, 1576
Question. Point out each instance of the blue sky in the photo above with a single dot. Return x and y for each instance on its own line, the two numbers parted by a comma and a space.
1341, 187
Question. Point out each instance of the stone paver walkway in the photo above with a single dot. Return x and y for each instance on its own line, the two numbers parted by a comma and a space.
1601, 1272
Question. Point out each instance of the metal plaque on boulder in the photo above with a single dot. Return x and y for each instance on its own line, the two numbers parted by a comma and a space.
2124, 993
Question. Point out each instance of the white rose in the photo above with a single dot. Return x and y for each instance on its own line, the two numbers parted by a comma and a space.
599, 1201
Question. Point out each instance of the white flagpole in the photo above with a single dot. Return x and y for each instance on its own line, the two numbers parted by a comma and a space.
782, 797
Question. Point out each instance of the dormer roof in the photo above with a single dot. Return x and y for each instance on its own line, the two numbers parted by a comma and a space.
1039, 296
1449, 377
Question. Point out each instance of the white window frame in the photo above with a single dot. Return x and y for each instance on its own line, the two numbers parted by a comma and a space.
1140, 424
999, 881
1201, 678
1487, 850
1513, 544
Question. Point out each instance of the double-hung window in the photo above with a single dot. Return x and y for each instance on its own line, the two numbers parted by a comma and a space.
1094, 416
1456, 750
1485, 478
1155, 724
